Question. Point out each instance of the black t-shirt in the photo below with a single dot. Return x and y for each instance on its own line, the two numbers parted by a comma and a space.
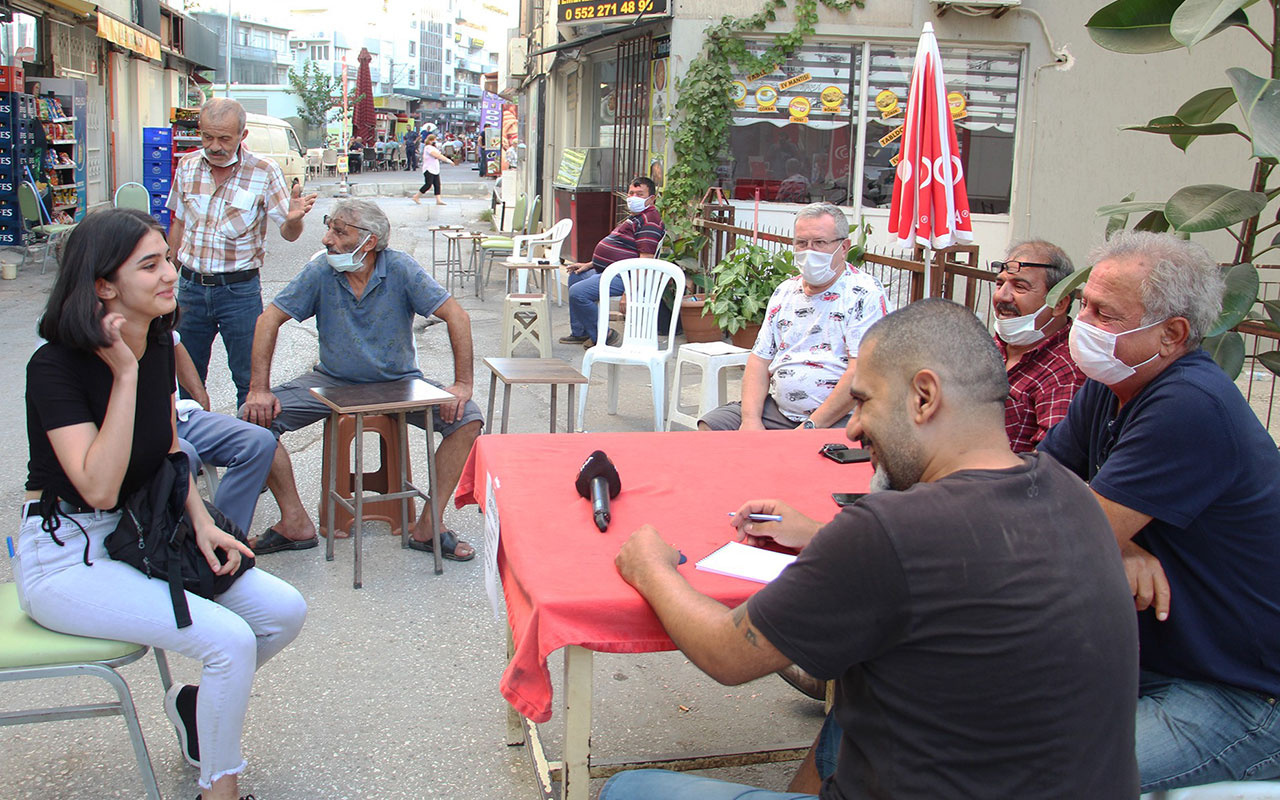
66, 386
982, 632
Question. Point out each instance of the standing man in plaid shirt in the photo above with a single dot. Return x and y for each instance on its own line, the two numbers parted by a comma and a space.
1033, 340
221, 199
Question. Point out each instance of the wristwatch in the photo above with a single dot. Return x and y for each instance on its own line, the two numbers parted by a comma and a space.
807, 424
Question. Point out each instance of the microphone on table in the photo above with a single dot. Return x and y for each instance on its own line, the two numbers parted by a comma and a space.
598, 480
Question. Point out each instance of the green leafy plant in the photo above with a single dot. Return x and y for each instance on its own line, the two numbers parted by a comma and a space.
314, 90
1150, 26
743, 282
858, 252
701, 128
686, 253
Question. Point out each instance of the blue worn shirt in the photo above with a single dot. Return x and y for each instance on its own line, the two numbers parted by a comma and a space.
1189, 452
369, 339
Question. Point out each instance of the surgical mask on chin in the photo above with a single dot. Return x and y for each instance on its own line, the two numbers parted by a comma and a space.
235, 156
1021, 331
347, 262
1094, 351
636, 204
816, 267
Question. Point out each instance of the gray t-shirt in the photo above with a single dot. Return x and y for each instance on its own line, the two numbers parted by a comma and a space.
370, 339
982, 634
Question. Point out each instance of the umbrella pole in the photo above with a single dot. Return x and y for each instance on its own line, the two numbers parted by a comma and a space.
928, 271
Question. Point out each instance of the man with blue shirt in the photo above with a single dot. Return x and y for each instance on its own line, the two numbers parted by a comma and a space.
1190, 481
364, 297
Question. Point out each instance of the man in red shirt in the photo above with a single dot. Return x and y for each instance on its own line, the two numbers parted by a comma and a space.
637, 236
1032, 337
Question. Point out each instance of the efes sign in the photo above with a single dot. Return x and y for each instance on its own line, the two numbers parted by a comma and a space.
578, 11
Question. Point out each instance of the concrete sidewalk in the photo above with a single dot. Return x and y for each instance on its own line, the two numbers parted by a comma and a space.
460, 181
391, 691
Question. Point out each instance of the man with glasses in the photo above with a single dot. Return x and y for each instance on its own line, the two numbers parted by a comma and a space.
799, 371
364, 297
1032, 337
222, 197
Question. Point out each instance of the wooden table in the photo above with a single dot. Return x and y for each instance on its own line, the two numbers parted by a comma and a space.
396, 398
439, 229
544, 266
551, 371
453, 260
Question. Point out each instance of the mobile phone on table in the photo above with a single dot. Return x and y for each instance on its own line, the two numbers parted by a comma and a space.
843, 454
847, 498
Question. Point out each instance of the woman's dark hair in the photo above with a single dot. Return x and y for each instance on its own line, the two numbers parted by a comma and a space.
95, 249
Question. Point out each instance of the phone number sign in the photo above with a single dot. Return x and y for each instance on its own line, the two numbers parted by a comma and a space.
572, 11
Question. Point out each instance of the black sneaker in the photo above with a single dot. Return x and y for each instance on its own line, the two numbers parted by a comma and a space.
571, 339
613, 339
180, 705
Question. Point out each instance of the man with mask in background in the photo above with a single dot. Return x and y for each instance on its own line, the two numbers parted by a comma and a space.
364, 297
637, 236
221, 199
799, 371
1033, 340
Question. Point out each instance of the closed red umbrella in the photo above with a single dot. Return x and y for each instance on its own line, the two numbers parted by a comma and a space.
930, 205
364, 118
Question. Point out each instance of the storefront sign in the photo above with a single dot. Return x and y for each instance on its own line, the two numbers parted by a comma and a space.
955, 101
757, 76
891, 136
893, 162
766, 98
572, 11
887, 102
128, 37
832, 97
799, 108
661, 47
796, 81
738, 91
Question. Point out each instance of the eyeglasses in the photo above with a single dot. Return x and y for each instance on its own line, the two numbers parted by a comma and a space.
1014, 267
328, 220
814, 244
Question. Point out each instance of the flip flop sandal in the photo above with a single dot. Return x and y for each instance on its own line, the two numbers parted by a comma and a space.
448, 542
274, 542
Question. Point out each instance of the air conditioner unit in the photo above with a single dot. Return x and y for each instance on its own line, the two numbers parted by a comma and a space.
518, 57
995, 8
299, 45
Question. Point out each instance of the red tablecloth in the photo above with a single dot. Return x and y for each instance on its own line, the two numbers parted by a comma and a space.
557, 570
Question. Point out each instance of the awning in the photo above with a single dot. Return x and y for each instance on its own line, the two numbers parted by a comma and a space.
77, 7
119, 32
639, 23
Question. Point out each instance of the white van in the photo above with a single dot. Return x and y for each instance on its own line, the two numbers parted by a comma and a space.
274, 138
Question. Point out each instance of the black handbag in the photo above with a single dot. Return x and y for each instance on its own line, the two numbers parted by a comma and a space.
155, 537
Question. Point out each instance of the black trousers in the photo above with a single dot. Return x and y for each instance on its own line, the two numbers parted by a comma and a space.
429, 181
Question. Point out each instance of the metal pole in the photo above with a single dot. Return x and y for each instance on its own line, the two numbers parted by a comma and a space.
344, 189
228, 89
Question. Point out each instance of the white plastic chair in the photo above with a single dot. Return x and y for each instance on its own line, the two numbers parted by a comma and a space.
644, 280
132, 195
552, 240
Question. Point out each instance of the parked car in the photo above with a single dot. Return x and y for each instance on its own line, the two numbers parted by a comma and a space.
274, 138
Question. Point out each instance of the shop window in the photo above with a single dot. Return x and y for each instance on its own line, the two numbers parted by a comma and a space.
796, 135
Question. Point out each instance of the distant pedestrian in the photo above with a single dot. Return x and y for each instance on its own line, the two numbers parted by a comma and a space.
411, 149
431, 158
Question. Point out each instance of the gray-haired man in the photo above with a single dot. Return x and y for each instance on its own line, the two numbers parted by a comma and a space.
799, 371
364, 297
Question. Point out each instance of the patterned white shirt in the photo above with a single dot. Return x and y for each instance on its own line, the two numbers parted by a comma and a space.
225, 227
808, 341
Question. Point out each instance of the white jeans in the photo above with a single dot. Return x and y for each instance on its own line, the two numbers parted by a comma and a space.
231, 637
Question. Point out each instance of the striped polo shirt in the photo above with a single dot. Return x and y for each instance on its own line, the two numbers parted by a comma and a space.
637, 233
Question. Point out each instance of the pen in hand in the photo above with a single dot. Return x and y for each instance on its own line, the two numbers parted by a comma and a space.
761, 517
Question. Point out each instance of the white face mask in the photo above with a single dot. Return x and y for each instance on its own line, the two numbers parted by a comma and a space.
1021, 331
235, 156
348, 262
636, 204
1094, 351
816, 267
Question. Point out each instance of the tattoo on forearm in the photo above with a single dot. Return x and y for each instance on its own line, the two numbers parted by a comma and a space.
740, 621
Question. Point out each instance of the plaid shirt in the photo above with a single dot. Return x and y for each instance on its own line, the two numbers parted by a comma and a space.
225, 227
1041, 386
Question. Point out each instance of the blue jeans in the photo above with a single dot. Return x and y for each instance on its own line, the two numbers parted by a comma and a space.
584, 299
648, 784
243, 448
230, 310
1191, 733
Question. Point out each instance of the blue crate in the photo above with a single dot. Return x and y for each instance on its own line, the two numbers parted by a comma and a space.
157, 204
163, 216
158, 199
16, 238
152, 168
157, 152
157, 136
157, 185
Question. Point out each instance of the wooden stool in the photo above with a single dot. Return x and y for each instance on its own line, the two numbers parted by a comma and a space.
526, 317
551, 371
713, 358
382, 481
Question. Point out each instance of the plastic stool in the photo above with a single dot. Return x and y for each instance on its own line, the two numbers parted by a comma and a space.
713, 358
526, 318
387, 479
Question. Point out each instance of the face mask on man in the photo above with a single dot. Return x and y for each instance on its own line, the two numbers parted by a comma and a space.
816, 267
348, 262
1094, 351
235, 156
1021, 331
636, 204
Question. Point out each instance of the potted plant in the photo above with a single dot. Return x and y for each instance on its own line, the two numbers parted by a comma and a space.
686, 252
741, 286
